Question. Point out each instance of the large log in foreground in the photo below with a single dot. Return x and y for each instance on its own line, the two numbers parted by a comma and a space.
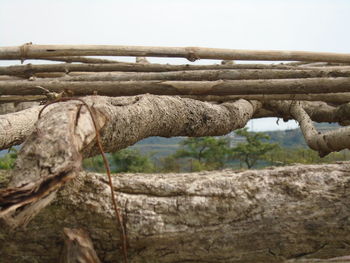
269, 215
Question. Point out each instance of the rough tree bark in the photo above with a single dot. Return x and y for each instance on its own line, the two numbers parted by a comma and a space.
18, 126
65, 133
269, 215
272, 215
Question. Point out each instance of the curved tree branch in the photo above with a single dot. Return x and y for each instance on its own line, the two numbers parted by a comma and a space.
324, 143
52, 155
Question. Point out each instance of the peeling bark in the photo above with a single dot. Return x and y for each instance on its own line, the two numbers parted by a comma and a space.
271, 215
78, 247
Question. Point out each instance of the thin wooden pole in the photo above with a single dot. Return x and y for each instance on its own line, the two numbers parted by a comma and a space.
210, 75
27, 51
221, 87
29, 69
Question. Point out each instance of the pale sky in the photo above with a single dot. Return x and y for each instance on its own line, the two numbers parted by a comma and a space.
313, 25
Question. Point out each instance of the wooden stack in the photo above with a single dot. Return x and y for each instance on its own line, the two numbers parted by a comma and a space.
316, 76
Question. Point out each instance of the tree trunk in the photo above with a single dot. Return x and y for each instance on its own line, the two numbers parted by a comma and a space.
270, 215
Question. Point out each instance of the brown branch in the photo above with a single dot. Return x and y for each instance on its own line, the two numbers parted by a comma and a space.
191, 53
336, 98
220, 87
324, 143
318, 111
81, 60
210, 75
66, 136
29, 69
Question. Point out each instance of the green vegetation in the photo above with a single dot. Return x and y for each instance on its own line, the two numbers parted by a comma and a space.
243, 150
254, 148
208, 153
8, 160
286, 156
126, 160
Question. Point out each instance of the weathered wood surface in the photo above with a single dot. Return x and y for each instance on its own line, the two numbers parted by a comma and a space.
210, 75
52, 155
78, 247
270, 215
29, 69
191, 53
219, 87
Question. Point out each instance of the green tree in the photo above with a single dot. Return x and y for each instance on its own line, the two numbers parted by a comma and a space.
254, 149
207, 152
131, 160
169, 164
303, 155
8, 160
94, 164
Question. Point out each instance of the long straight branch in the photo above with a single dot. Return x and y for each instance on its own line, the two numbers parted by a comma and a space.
220, 87
191, 53
29, 69
210, 75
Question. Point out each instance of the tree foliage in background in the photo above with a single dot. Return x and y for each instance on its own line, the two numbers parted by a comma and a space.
286, 156
254, 149
8, 160
204, 152
131, 160
126, 160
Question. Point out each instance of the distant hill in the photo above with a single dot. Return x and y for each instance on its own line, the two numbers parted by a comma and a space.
157, 146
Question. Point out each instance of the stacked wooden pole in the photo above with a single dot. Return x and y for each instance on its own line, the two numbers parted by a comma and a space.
316, 76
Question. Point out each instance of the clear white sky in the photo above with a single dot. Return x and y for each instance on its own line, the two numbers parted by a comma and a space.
316, 25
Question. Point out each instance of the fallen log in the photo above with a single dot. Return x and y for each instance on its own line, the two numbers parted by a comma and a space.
29, 50
289, 213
